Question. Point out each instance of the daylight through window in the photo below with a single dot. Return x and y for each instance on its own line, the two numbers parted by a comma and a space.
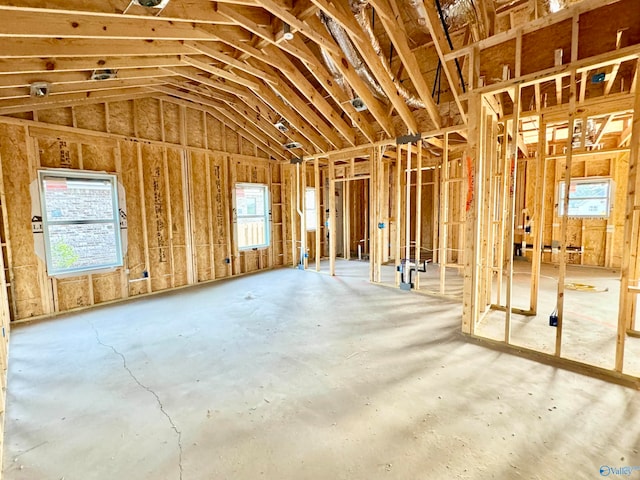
80, 221
252, 214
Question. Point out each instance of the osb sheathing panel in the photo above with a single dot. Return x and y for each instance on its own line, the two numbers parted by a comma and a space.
98, 158
171, 116
220, 228
247, 147
91, 117
215, 133
538, 53
178, 228
195, 128
594, 240
492, 59
121, 118
135, 259
106, 287
231, 139
201, 216
618, 217
73, 293
147, 118
25, 286
57, 116
603, 24
159, 169
57, 153
155, 198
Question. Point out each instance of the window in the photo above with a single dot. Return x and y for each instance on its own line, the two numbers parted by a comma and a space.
80, 221
588, 197
252, 215
310, 209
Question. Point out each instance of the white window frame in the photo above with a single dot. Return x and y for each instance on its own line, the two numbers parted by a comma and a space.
82, 220
581, 181
239, 214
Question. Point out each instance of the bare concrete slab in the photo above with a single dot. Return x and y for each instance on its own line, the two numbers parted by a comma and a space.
297, 375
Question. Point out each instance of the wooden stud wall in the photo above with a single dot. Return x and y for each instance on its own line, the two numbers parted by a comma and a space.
177, 166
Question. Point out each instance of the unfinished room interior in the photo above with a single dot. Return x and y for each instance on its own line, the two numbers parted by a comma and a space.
319, 239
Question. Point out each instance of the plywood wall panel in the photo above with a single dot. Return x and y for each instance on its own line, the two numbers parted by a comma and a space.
230, 140
220, 223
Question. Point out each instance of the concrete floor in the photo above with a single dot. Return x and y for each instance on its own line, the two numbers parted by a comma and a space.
297, 375
590, 322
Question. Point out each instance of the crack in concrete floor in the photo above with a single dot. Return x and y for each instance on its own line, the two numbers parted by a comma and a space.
148, 389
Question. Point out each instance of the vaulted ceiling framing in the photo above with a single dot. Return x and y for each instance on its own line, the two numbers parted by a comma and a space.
231, 58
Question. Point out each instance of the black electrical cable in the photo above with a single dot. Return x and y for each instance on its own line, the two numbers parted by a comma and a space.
446, 33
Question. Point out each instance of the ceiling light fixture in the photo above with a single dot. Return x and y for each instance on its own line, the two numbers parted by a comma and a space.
292, 145
104, 74
359, 104
40, 89
151, 3
286, 32
282, 125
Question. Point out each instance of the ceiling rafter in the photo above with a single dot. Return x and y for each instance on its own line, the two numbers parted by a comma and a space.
246, 129
69, 64
398, 37
17, 80
373, 104
231, 61
312, 95
219, 72
350, 24
89, 86
261, 123
327, 81
439, 42
10, 106
292, 117
46, 23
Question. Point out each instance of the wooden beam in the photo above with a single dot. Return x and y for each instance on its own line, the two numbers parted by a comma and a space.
442, 47
69, 64
629, 265
409, 60
253, 134
46, 48
219, 72
339, 95
329, 132
46, 23
373, 61
8, 107
206, 48
312, 95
